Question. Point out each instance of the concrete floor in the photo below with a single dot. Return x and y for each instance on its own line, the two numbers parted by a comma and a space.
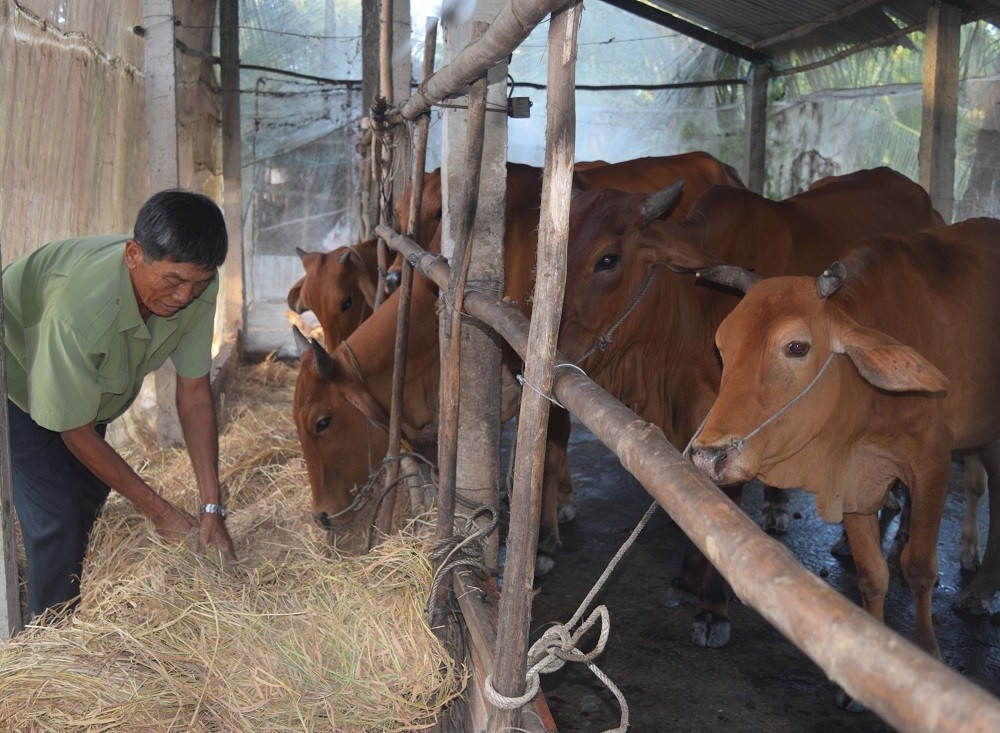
760, 681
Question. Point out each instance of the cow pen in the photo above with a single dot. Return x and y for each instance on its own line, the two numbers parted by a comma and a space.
899, 682
109, 98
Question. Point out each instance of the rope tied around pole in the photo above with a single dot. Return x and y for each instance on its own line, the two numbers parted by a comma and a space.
465, 549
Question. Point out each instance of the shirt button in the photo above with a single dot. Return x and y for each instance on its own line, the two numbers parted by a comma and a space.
118, 301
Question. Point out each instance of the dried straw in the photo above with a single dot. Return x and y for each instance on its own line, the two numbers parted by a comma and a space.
295, 636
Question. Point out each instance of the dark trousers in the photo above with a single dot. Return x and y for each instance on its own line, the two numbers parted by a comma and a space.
57, 500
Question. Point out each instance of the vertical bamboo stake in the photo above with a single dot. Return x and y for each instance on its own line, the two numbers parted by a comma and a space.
10, 609
522, 539
381, 154
451, 318
383, 521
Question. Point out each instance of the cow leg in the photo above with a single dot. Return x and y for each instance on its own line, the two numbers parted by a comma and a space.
919, 558
977, 596
558, 437
774, 518
974, 480
872, 578
556, 470
699, 578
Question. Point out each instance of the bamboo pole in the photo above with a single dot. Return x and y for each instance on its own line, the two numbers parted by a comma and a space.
898, 681
513, 24
10, 611
381, 153
383, 520
450, 314
550, 279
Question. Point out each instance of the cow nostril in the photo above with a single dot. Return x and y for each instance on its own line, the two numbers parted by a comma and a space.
323, 520
711, 459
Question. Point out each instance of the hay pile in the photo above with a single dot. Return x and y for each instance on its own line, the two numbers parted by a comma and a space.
296, 636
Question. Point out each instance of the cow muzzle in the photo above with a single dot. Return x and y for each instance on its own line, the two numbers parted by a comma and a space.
329, 522
716, 461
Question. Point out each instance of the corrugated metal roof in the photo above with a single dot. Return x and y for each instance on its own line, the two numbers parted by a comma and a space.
773, 26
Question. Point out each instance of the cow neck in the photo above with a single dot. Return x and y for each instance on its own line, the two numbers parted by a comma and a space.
603, 342
739, 444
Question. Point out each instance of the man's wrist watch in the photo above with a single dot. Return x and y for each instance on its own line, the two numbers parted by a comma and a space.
219, 509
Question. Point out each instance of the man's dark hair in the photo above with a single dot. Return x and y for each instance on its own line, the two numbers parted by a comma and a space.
181, 226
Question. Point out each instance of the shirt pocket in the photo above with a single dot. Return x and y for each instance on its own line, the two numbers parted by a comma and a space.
113, 374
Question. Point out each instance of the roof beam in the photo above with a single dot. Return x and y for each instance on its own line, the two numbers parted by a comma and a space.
844, 12
655, 14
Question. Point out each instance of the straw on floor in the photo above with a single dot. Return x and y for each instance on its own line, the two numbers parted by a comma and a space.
296, 636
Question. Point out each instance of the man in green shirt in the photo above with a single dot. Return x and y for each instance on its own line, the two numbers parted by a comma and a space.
84, 321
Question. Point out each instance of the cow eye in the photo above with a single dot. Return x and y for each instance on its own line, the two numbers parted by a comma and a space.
608, 261
346, 305
322, 424
797, 348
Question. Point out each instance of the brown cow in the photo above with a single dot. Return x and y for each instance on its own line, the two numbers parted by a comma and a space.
657, 327
318, 392
842, 385
339, 287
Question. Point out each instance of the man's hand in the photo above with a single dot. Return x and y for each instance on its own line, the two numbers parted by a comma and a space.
171, 523
212, 531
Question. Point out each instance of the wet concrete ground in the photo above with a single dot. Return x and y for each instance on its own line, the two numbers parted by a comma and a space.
760, 681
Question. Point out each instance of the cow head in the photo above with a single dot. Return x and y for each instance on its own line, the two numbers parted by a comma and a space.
337, 287
784, 376
341, 429
615, 242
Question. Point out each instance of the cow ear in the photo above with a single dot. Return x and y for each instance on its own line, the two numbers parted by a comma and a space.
887, 364
295, 297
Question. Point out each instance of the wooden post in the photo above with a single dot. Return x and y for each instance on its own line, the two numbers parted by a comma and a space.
939, 121
164, 172
451, 307
529, 464
756, 127
383, 520
229, 51
10, 612
370, 73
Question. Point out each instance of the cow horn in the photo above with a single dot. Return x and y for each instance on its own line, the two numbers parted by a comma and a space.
300, 252
663, 201
324, 362
301, 342
730, 276
344, 257
831, 280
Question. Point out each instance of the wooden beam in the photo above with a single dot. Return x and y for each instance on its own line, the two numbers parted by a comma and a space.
656, 14
845, 12
10, 611
164, 172
232, 277
532, 424
755, 132
939, 122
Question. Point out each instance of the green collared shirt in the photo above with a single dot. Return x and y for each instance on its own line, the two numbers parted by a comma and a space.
77, 348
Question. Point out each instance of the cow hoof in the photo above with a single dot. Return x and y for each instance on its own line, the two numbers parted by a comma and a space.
848, 703
543, 564
675, 597
710, 631
971, 603
775, 520
842, 547
567, 513
970, 561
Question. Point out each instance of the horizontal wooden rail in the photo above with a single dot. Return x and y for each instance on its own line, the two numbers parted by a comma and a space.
902, 684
